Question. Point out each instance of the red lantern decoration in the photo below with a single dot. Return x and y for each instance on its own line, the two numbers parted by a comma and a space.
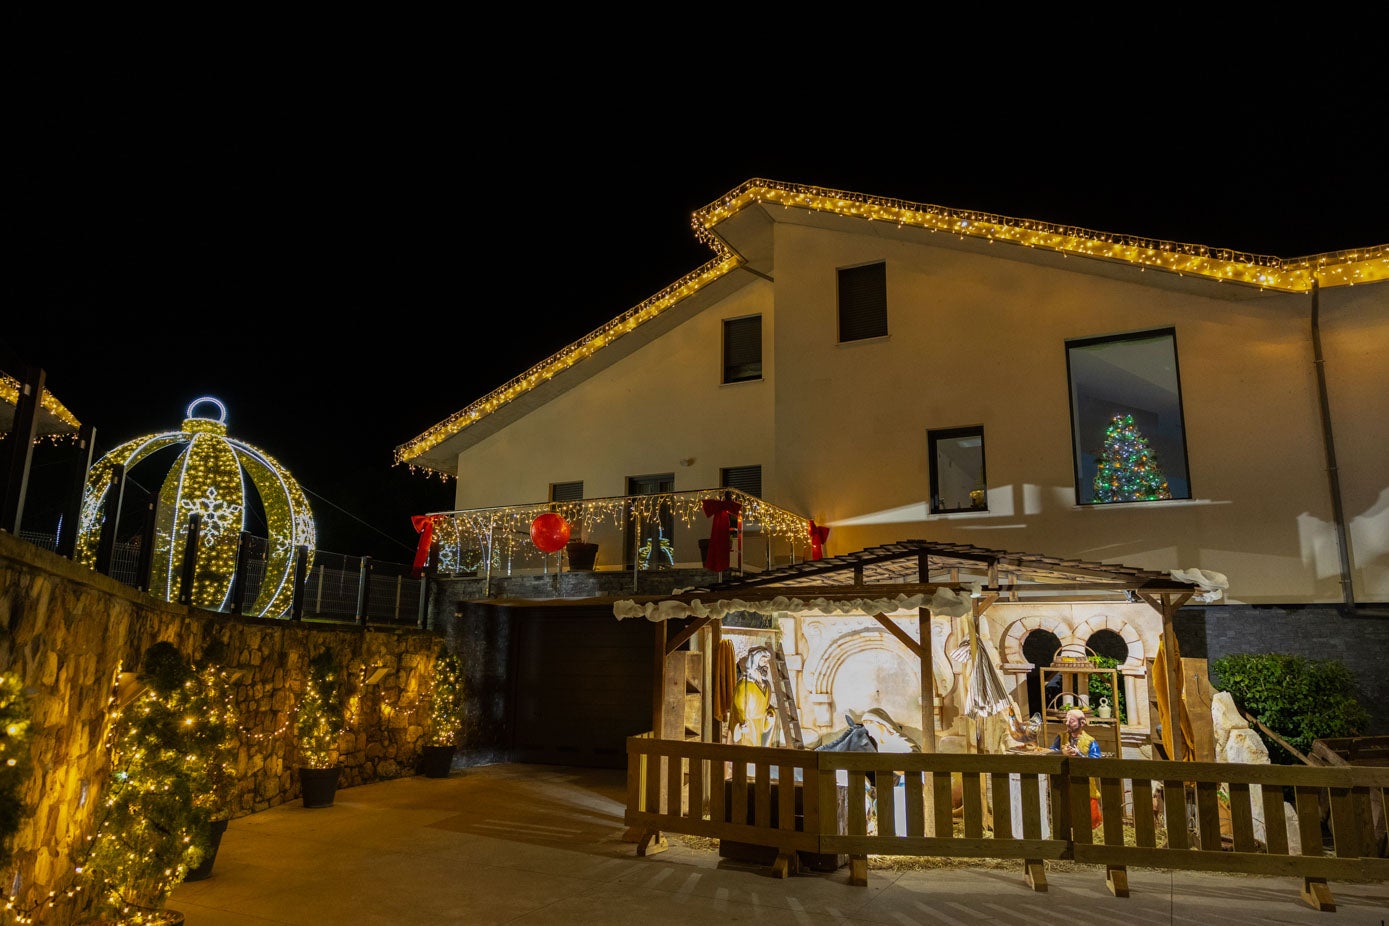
549, 532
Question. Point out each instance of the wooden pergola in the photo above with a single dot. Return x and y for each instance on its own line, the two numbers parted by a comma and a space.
907, 570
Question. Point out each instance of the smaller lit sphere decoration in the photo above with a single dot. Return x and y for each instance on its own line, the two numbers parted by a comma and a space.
210, 478
549, 532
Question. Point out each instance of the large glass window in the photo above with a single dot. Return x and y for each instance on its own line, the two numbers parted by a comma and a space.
742, 349
863, 302
1127, 431
957, 469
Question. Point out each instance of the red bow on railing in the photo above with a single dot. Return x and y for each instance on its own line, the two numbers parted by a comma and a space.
818, 536
425, 525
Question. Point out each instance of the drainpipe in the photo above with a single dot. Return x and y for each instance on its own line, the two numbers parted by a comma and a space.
1337, 512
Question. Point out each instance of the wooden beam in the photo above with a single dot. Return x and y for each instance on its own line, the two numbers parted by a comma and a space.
901, 634
690, 629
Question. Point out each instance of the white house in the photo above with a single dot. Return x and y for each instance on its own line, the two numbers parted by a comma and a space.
892, 370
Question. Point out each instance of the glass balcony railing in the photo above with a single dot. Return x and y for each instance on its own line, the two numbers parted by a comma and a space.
633, 532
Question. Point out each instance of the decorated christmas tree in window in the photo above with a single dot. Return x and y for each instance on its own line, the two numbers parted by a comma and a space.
1127, 467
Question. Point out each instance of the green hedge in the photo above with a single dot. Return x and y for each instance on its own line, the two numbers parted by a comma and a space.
1300, 699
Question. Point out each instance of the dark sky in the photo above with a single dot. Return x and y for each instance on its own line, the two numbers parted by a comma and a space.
350, 253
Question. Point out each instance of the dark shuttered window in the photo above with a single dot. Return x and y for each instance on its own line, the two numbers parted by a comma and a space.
863, 302
742, 349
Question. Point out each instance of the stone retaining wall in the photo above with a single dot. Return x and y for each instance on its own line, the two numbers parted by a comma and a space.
69, 632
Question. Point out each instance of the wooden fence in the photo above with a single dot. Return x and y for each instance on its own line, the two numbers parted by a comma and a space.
1204, 816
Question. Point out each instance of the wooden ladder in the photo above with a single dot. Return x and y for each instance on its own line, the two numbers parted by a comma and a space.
786, 711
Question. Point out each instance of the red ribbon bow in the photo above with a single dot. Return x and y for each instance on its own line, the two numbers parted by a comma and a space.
818, 536
424, 524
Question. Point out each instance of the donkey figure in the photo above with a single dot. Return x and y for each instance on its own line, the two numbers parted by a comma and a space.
858, 739
855, 739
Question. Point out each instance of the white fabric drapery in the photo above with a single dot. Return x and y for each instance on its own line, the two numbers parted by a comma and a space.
944, 602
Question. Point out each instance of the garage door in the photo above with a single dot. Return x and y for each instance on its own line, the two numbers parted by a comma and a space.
583, 685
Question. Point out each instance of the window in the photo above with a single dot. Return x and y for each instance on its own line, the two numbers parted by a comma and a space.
742, 349
1127, 430
863, 302
956, 458
743, 478
566, 491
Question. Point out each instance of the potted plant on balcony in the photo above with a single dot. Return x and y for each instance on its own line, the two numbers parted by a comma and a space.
446, 708
151, 827
319, 721
582, 556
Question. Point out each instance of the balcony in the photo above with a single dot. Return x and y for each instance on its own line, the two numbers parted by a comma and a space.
635, 534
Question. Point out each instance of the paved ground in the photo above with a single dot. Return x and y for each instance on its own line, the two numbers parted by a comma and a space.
530, 845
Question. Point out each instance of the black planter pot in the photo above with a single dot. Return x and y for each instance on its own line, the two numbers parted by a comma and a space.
214, 839
436, 761
319, 785
581, 555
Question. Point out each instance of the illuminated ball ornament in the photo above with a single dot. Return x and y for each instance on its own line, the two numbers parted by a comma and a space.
209, 478
549, 532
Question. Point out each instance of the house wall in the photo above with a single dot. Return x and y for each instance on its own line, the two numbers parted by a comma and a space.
643, 415
978, 340
977, 337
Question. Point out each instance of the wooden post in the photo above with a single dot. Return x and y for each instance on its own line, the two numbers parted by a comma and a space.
658, 679
928, 680
928, 657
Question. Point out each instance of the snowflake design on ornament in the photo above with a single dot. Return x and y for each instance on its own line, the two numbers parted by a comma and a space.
217, 516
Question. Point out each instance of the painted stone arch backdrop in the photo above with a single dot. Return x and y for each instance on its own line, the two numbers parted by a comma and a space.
854, 665
1137, 625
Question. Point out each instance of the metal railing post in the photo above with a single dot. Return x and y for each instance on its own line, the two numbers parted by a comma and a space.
147, 535
301, 575
106, 541
363, 591
243, 558
19, 451
72, 510
190, 558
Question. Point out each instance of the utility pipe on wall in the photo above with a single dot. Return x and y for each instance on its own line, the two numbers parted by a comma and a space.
1333, 476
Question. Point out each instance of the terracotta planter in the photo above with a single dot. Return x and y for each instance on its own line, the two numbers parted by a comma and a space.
582, 556
436, 761
319, 785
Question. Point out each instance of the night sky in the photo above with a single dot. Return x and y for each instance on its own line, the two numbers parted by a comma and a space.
350, 254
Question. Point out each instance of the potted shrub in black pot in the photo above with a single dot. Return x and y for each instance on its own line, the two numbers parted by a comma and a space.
445, 715
319, 721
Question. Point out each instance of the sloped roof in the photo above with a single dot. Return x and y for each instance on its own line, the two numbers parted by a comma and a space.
53, 418
1014, 575
912, 574
736, 225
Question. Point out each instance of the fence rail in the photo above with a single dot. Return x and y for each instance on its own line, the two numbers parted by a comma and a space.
1201, 816
333, 588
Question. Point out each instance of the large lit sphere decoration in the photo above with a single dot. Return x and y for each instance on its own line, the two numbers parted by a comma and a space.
549, 532
209, 478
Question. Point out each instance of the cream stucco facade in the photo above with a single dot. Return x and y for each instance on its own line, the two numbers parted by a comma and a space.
978, 326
